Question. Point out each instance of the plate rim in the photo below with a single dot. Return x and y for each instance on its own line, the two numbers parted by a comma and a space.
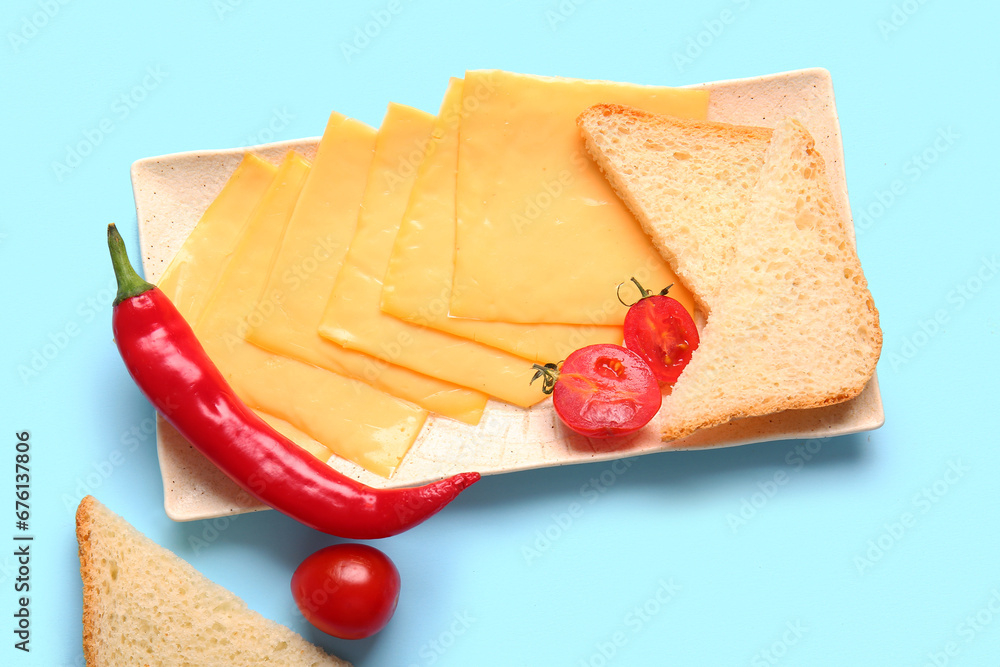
871, 419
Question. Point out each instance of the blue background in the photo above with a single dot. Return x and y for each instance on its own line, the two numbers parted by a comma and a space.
880, 549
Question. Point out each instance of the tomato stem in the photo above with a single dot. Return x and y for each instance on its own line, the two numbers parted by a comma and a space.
643, 293
549, 374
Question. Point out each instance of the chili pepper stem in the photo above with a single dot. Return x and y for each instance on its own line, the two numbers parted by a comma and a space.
129, 282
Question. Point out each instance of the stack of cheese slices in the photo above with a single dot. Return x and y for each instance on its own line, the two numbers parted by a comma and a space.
384, 279
417, 269
746, 218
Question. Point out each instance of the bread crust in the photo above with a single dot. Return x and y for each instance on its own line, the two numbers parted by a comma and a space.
84, 525
598, 125
832, 232
129, 579
744, 132
837, 224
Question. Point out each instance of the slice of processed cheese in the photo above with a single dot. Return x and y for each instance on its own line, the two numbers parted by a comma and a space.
353, 317
417, 284
350, 418
541, 235
195, 269
306, 266
207, 250
300, 438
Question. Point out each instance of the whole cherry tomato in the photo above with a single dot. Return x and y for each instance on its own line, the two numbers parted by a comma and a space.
662, 332
347, 590
602, 390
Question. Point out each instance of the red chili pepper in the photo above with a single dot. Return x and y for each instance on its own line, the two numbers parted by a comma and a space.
172, 369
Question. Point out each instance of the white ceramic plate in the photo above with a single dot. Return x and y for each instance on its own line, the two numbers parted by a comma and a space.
172, 191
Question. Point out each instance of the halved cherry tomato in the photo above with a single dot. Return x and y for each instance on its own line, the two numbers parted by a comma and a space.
347, 590
662, 332
602, 390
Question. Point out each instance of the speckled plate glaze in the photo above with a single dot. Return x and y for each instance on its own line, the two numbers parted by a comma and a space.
172, 191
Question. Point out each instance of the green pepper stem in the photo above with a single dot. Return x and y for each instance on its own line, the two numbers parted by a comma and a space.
129, 282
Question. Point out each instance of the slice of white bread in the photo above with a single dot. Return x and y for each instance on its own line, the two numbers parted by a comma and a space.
791, 323
794, 325
144, 606
687, 182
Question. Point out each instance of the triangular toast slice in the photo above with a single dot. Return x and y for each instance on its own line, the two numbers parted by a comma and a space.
687, 182
142, 605
793, 324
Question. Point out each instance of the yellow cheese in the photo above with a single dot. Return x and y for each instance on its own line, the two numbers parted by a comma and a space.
196, 267
301, 439
417, 284
200, 261
541, 236
353, 317
306, 266
350, 418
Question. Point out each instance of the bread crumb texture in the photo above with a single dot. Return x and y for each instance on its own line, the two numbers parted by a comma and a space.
687, 182
794, 325
745, 216
143, 605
